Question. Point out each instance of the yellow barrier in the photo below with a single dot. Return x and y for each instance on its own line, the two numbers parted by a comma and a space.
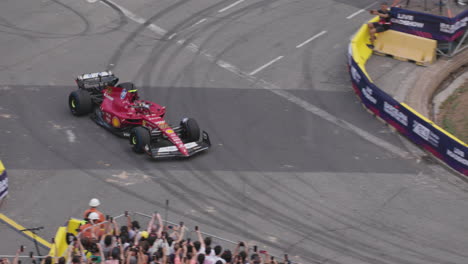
425, 52
361, 53
2, 168
73, 224
60, 247
406, 47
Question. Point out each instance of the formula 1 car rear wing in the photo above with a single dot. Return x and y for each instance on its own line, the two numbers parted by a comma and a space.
97, 80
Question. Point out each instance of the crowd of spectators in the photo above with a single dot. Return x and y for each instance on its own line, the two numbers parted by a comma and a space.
101, 240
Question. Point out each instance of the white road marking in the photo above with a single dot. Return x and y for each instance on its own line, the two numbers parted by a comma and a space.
231, 5
310, 108
137, 19
157, 29
192, 47
312, 38
355, 14
341, 123
70, 135
210, 209
198, 23
280, 92
360, 11
188, 28
272, 239
266, 65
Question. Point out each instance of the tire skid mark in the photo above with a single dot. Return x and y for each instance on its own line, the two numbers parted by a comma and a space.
288, 221
115, 58
66, 37
317, 235
146, 66
160, 52
148, 81
156, 54
85, 21
28, 33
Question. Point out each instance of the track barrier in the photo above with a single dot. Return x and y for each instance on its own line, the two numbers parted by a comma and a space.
450, 32
427, 25
3, 182
402, 117
59, 248
406, 47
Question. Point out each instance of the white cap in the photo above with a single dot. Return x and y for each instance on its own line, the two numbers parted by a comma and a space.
93, 216
94, 202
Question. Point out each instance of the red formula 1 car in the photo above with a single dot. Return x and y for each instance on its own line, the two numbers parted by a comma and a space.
119, 110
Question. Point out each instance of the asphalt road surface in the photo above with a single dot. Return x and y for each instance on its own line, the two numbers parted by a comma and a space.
296, 166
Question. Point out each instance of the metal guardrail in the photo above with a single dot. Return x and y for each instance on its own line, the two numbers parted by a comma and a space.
116, 217
210, 235
21, 256
203, 233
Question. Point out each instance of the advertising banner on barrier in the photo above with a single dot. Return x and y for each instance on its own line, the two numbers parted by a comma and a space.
440, 144
428, 25
3, 181
407, 122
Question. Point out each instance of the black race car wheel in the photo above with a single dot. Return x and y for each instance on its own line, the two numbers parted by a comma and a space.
139, 138
80, 103
191, 129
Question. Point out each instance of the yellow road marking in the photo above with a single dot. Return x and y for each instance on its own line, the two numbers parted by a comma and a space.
19, 227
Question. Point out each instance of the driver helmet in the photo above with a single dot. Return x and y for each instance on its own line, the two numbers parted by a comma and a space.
133, 94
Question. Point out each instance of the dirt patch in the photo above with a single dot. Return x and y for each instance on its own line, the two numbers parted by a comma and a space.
453, 113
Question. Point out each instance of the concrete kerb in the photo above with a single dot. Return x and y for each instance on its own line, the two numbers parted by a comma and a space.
420, 91
451, 84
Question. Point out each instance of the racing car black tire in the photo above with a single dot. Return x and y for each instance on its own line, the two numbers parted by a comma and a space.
127, 85
80, 103
191, 129
139, 138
